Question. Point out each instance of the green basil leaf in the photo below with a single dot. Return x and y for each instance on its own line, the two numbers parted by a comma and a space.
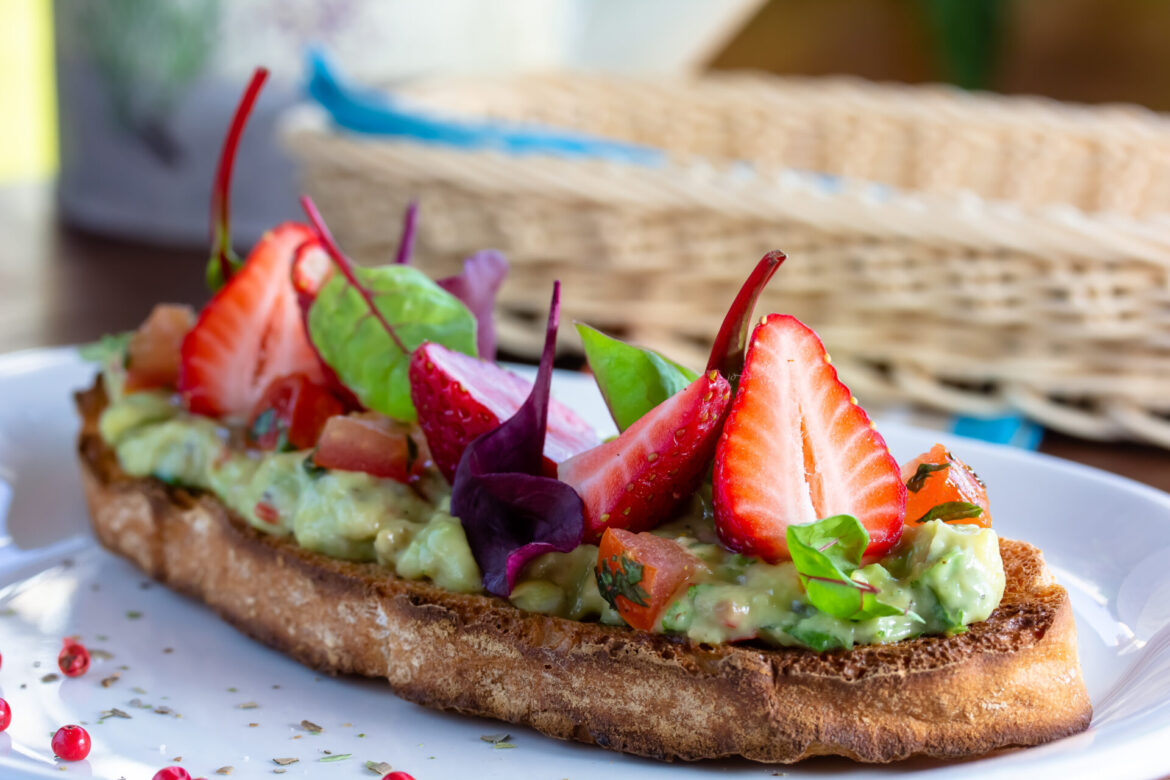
632, 380
357, 345
825, 553
952, 511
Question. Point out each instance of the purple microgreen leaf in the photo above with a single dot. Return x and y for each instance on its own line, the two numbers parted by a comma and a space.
510, 511
344, 265
406, 242
730, 347
224, 261
476, 286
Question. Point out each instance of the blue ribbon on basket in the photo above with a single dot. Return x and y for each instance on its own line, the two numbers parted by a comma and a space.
379, 113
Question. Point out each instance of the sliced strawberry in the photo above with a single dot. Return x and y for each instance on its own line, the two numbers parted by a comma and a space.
250, 333
459, 398
939, 485
153, 356
639, 479
797, 448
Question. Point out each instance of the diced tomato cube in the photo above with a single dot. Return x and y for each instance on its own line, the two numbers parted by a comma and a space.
938, 483
372, 443
640, 574
292, 413
153, 357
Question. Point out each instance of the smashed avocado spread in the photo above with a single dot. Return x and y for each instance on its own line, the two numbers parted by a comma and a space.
939, 578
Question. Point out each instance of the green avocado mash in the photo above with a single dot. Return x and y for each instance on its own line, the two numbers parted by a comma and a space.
942, 576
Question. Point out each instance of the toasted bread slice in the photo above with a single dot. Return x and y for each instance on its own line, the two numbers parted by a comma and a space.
1010, 680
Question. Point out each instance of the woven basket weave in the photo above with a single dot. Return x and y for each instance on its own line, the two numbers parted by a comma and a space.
972, 253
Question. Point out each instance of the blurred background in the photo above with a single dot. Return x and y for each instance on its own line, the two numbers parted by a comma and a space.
974, 193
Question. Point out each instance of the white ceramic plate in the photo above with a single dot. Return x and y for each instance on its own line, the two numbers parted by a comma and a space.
1108, 539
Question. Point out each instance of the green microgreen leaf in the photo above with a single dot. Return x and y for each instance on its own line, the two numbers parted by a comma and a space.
110, 348
632, 380
825, 554
952, 511
339, 757
620, 577
371, 359
918, 481
311, 468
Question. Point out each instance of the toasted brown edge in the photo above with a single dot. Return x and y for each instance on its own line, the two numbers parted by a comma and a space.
1012, 680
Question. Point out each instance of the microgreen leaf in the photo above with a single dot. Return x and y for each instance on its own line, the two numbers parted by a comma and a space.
224, 262
510, 512
365, 322
339, 757
951, 511
406, 241
918, 481
825, 553
730, 347
109, 348
476, 287
632, 380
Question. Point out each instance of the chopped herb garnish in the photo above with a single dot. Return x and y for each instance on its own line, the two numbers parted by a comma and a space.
253, 725
133, 614
495, 739
918, 481
309, 725
620, 577
378, 767
248, 705
51, 677
285, 761
136, 689
108, 681
503, 746
231, 690
952, 511
114, 712
330, 759
224, 770
361, 735
104, 655
164, 710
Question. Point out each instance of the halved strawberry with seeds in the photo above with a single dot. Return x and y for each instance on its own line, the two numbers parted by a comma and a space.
797, 448
459, 398
638, 480
249, 333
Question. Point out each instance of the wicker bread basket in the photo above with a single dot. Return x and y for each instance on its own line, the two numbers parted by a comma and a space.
973, 253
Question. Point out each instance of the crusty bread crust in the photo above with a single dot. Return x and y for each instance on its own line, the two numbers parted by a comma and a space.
1011, 680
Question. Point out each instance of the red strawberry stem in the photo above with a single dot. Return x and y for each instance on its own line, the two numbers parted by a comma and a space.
221, 191
406, 243
346, 267
730, 347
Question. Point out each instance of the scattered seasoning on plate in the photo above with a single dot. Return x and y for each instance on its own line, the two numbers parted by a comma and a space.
347, 725
275, 687
297, 736
311, 727
285, 761
253, 725
140, 704
133, 614
168, 649
102, 638
108, 681
51, 677
339, 757
114, 712
231, 690
224, 770
104, 655
164, 710
279, 771
495, 739
248, 705
136, 689
503, 745
378, 767
361, 735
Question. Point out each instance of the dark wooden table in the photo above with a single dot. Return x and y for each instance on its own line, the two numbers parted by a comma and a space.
62, 286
